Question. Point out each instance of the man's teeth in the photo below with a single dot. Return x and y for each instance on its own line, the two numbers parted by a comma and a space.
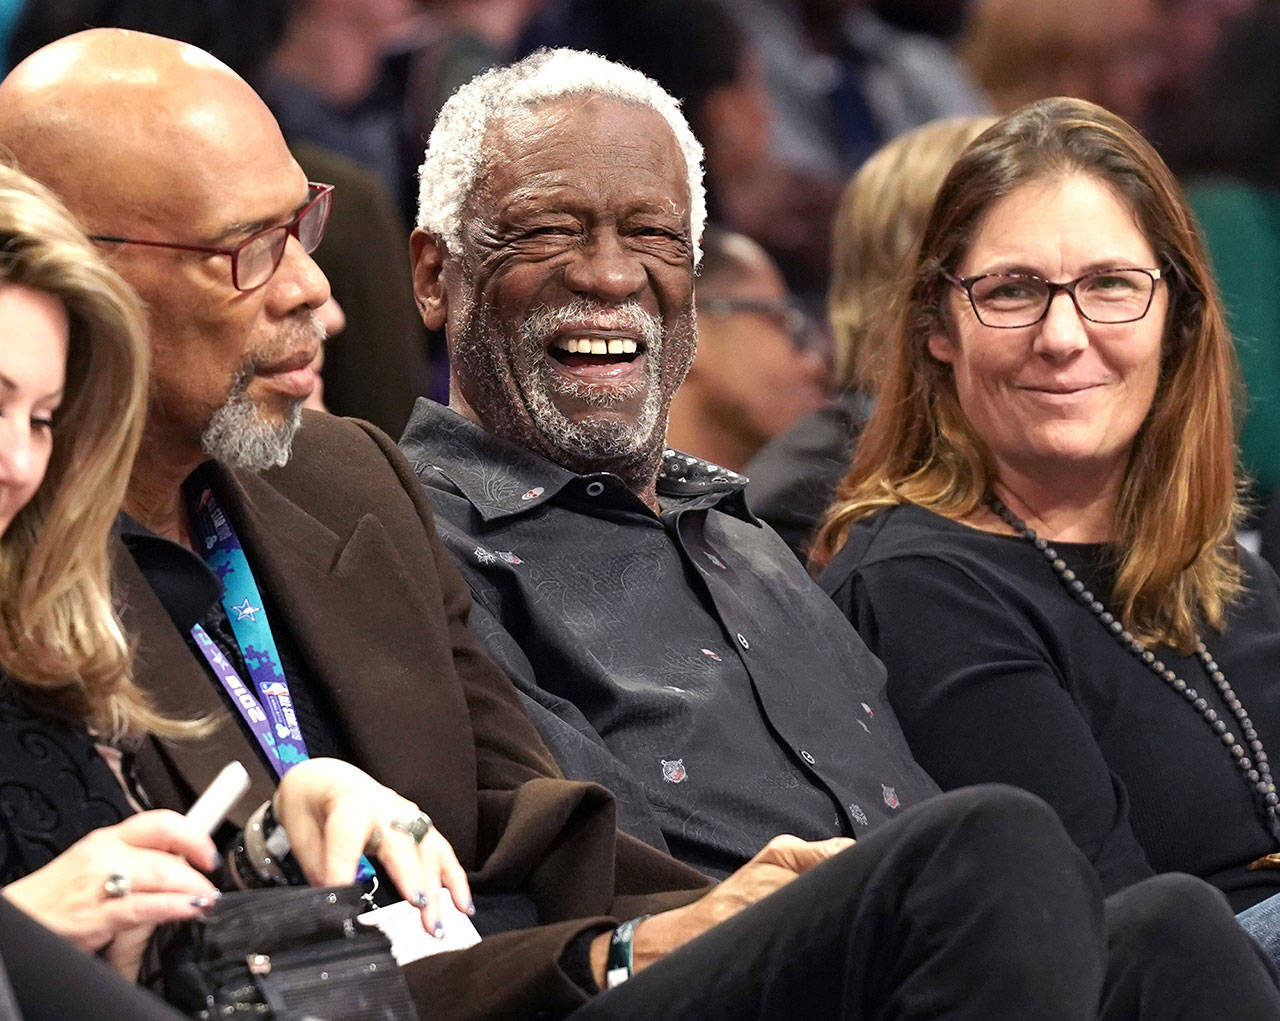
595, 346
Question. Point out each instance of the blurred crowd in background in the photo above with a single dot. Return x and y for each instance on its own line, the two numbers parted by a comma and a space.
790, 98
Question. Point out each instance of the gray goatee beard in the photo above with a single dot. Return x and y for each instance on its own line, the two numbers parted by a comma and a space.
240, 436
593, 440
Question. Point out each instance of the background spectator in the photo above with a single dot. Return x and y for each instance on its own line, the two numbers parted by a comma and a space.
881, 214
1099, 50
760, 362
1226, 148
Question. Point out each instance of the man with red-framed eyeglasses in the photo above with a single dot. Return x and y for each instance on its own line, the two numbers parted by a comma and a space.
255, 258
212, 222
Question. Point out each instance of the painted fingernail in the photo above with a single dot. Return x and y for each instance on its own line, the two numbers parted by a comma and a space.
471, 908
200, 902
438, 931
217, 862
420, 899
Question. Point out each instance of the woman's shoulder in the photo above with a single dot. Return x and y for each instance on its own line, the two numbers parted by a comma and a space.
912, 533
1259, 601
54, 787
1258, 571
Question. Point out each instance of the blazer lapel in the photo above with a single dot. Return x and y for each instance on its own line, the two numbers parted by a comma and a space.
174, 771
348, 603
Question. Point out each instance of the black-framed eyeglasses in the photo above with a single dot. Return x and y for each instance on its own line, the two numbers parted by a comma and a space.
799, 325
1009, 301
255, 259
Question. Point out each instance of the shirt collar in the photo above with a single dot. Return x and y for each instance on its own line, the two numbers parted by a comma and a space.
500, 479
496, 476
182, 582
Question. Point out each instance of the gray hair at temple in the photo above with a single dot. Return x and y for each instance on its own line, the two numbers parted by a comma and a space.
455, 154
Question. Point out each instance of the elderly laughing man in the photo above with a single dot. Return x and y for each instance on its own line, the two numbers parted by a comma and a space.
668, 644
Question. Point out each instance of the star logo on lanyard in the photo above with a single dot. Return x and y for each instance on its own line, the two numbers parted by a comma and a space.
247, 612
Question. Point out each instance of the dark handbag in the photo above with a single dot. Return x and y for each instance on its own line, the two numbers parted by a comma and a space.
287, 953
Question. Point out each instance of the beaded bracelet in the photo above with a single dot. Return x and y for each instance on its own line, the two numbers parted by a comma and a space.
263, 856
252, 866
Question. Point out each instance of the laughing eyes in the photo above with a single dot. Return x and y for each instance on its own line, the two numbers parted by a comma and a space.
550, 232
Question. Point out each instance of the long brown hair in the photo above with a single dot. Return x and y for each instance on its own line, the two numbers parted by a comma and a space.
1178, 507
60, 640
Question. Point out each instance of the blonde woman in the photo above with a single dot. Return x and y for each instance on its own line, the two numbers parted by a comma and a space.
1037, 532
73, 373
881, 214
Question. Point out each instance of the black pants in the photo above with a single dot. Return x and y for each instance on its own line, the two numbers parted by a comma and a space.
974, 904
55, 981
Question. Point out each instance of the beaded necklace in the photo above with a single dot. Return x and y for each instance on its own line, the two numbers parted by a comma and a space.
1255, 769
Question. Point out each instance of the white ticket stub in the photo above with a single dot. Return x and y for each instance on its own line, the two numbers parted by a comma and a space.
402, 924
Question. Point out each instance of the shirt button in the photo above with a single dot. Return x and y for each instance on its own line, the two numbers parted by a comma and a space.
595, 488
742, 640
807, 757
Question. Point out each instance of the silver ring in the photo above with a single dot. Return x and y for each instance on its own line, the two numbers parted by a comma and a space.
117, 885
417, 826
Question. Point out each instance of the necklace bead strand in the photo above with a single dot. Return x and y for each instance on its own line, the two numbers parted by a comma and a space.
1255, 768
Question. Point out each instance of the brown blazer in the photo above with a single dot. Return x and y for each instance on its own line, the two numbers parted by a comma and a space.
343, 540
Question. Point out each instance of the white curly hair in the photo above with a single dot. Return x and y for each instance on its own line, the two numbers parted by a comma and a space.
455, 155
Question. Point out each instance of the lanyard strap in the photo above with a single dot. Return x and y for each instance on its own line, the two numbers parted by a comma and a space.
241, 696
267, 707
270, 714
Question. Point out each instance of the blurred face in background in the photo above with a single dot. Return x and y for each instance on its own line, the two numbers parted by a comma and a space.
1099, 50
765, 352
761, 362
33, 363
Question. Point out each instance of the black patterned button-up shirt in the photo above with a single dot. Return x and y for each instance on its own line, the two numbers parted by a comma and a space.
683, 659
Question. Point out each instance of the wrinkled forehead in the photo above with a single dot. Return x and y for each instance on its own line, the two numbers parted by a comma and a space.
611, 146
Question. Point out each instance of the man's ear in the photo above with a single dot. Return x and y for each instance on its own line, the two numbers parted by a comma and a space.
428, 254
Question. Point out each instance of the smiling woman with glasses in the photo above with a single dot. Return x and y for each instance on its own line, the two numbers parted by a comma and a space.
255, 259
1037, 534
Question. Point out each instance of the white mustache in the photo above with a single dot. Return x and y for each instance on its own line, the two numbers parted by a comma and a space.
542, 323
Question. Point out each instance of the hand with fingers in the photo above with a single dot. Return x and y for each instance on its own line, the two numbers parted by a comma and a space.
111, 888
333, 811
779, 862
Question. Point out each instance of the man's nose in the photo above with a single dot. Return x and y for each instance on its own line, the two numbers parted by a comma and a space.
298, 282
606, 269
815, 366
